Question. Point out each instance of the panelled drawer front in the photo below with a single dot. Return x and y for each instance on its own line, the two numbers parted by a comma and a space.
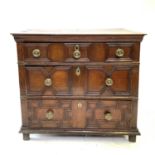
123, 52
82, 80
112, 80
108, 114
48, 80
35, 53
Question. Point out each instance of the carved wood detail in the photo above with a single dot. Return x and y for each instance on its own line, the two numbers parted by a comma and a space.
79, 83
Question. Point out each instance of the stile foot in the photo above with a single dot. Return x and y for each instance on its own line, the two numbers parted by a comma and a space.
132, 138
26, 136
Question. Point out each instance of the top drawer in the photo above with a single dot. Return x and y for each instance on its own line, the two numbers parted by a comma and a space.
42, 53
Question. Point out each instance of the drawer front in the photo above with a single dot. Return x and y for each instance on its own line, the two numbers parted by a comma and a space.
123, 52
35, 53
82, 80
58, 80
112, 80
108, 114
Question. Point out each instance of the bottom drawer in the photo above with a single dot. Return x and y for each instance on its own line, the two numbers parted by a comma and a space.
89, 114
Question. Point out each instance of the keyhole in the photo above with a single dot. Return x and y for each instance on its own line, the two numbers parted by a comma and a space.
78, 71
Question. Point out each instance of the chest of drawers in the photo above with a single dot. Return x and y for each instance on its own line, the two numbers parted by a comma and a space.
79, 83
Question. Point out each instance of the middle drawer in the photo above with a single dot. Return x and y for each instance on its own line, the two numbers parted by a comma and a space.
82, 80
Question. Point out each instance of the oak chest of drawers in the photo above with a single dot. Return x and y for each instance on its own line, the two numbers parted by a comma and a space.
79, 83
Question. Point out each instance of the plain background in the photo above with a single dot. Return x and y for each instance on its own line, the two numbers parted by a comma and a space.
18, 15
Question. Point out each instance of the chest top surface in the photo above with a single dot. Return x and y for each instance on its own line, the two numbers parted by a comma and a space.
78, 35
118, 31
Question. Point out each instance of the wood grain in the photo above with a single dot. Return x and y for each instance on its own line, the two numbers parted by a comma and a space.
76, 103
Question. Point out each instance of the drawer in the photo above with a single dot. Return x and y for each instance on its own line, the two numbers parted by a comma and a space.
39, 53
123, 52
107, 114
82, 80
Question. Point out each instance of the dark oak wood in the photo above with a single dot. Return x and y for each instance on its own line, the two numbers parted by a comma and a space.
90, 52
91, 114
132, 138
26, 136
64, 94
91, 80
98, 132
76, 38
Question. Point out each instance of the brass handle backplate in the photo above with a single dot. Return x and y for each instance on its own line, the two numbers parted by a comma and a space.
79, 105
109, 82
48, 82
119, 52
108, 116
36, 53
78, 72
76, 53
49, 115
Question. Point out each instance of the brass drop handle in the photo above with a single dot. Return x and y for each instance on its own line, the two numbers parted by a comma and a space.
78, 71
76, 53
108, 116
49, 114
79, 105
36, 53
109, 82
48, 82
119, 52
